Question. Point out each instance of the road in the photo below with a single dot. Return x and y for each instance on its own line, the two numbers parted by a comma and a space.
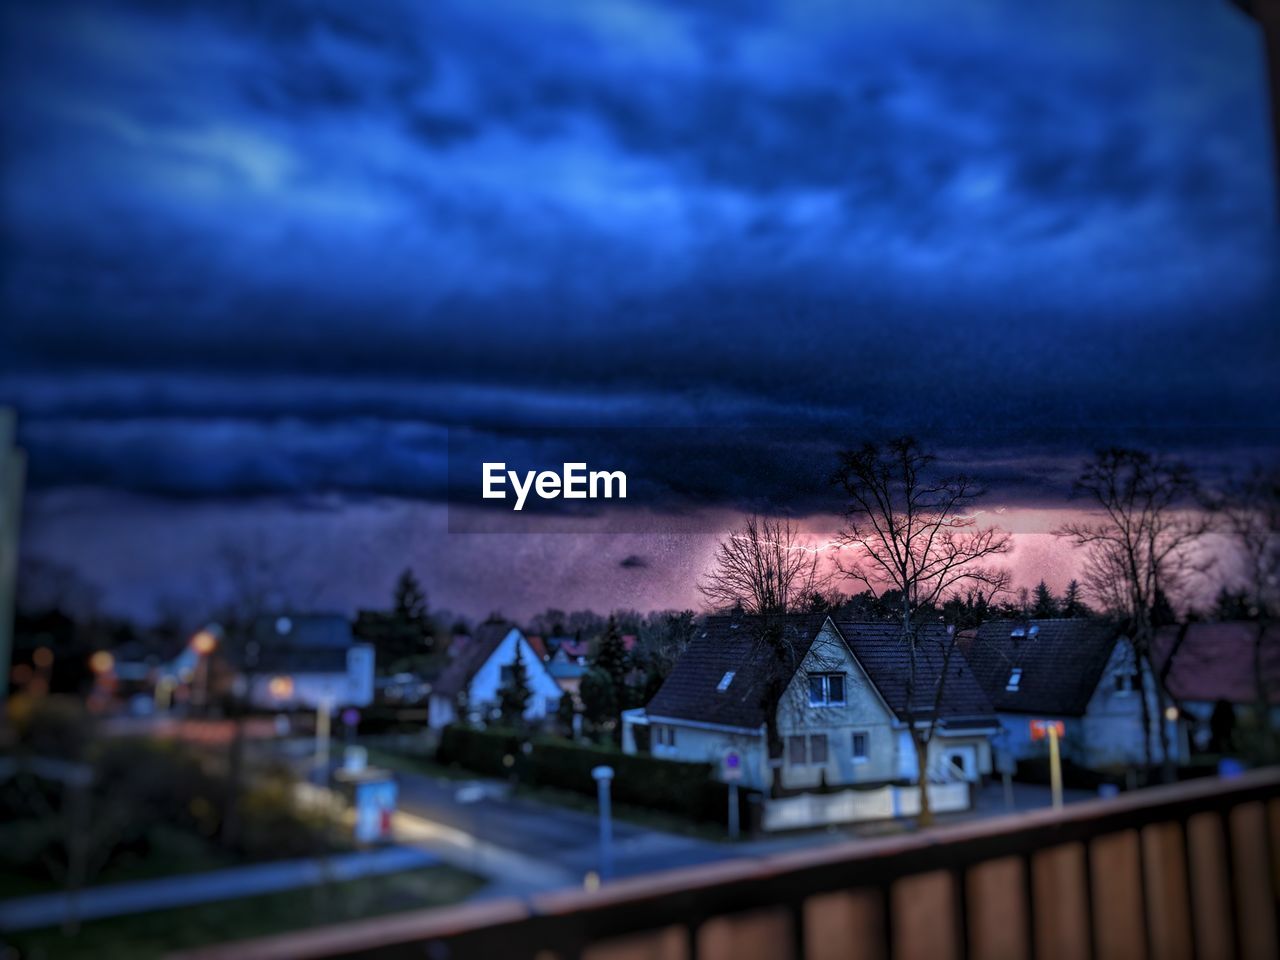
566, 840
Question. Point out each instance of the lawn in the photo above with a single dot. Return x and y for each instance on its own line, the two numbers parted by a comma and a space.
141, 936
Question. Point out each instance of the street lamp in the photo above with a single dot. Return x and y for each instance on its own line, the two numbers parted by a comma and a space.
204, 643
603, 775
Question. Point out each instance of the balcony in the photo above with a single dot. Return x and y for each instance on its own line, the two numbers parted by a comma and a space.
1184, 871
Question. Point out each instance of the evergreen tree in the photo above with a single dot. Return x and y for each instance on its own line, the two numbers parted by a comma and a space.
565, 713
402, 635
1044, 605
599, 700
1073, 605
1162, 612
411, 599
514, 694
611, 657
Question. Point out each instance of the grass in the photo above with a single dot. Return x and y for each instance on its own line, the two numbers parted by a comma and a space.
170, 851
140, 936
553, 796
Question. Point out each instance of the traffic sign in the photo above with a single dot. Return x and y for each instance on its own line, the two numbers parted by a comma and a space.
1041, 729
731, 766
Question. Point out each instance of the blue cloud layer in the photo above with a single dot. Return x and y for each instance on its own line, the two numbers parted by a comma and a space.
998, 223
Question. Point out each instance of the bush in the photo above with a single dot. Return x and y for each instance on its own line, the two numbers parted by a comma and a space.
687, 789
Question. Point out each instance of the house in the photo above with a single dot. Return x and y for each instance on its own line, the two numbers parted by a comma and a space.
306, 661
476, 674
842, 716
1217, 673
568, 673
1081, 672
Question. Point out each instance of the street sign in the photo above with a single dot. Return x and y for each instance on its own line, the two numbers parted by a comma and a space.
731, 766
1041, 729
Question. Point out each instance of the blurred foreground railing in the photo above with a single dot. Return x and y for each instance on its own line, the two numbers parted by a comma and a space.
1184, 871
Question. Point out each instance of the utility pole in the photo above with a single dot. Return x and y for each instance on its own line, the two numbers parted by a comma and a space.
603, 775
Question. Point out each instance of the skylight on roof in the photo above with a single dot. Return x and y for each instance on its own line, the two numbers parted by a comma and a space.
1015, 679
727, 679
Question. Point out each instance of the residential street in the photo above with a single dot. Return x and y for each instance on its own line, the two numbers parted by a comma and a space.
566, 841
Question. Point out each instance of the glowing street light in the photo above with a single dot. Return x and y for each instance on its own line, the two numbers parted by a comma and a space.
102, 662
204, 642
281, 688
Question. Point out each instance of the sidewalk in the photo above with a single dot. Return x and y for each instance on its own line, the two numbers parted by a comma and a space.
93, 903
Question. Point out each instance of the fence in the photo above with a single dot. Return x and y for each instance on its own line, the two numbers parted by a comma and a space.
1175, 872
808, 810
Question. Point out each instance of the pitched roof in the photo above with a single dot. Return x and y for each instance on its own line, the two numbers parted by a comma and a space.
303, 630
1061, 662
484, 641
727, 643
886, 658
730, 643
1215, 661
538, 646
302, 660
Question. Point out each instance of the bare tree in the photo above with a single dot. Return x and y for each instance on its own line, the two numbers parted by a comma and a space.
256, 574
910, 530
1140, 550
1248, 514
765, 568
768, 571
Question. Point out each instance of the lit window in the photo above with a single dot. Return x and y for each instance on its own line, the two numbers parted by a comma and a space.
727, 679
795, 751
826, 689
1015, 680
860, 746
818, 748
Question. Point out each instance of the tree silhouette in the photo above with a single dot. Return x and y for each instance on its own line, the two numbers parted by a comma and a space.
1044, 605
911, 529
514, 694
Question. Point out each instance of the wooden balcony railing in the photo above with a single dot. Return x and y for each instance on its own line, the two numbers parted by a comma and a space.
1184, 871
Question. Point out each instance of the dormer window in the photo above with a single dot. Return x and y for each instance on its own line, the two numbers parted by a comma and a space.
1015, 680
727, 679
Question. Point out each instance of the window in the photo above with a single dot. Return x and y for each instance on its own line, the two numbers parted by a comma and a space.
663, 735
1127, 682
505, 674
826, 689
727, 679
795, 751
860, 738
1015, 679
818, 748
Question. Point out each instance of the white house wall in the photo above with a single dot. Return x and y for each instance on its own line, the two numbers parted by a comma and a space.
544, 691
863, 711
1113, 721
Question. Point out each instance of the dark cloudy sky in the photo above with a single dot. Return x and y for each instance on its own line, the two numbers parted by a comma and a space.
259, 260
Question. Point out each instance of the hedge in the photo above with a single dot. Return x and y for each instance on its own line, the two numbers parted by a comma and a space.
687, 789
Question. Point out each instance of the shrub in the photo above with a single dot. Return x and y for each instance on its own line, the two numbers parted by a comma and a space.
687, 789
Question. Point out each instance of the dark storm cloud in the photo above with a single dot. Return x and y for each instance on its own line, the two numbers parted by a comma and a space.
1005, 226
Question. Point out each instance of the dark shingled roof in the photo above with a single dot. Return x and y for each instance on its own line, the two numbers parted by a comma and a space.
486, 639
1061, 660
302, 660
727, 643
732, 643
886, 658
